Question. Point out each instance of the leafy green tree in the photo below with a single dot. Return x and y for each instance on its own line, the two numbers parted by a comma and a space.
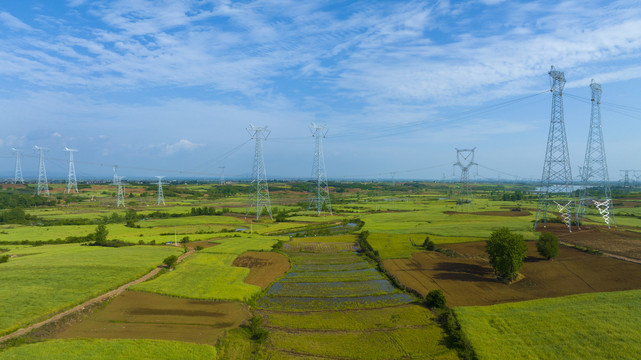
506, 251
100, 235
548, 245
170, 261
435, 299
428, 244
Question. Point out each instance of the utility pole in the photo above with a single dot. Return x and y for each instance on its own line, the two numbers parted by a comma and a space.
161, 196
465, 160
17, 177
319, 175
72, 183
594, 173
556, 180
43, 185
259, 196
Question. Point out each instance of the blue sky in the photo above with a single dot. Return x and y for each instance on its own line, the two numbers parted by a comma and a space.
400, 84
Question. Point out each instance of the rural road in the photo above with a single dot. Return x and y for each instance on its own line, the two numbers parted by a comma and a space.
89, 302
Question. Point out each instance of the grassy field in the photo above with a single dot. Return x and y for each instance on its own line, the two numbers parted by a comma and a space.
209, 274
43, 280
594, 326
203, 276
98, 349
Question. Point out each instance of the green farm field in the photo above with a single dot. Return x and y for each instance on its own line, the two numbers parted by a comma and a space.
41, 281
98, 349
587, 326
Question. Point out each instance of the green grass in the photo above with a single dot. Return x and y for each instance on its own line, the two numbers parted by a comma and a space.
238, 245
409, 315
209, 275
434, 221
97, 349
204, 276
44, 280
423, 344
587, 326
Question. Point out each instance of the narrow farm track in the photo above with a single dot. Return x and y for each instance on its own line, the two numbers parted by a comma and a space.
89, 302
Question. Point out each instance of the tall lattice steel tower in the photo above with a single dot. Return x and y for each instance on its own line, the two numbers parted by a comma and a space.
115, 180
222, 175
465, 161
259, 196
161, 196
594, 175
626, 179
17, 177
72, 183
556, 181
320, 195
43, 185
120, 199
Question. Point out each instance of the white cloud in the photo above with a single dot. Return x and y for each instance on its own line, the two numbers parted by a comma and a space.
13, 22
181, 145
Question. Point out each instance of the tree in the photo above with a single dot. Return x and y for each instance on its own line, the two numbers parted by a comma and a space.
428, 244
170, 261
548, 245
435, 299
100, 235
507, 251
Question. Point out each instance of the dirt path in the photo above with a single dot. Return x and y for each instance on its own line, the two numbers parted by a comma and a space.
89, 302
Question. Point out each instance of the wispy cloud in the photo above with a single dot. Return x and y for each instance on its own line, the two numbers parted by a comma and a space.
13, 22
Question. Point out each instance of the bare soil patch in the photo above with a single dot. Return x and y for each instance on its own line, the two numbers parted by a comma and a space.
138, 315
264, 267
469, 280
613, 241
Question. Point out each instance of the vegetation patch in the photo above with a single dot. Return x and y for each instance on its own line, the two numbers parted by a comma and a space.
584, 326
124, 349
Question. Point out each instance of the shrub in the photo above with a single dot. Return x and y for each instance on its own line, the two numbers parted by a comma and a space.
548, 245
506, 251
4, 259
256, 330
170, 261
435, 299
198, 248
428, 244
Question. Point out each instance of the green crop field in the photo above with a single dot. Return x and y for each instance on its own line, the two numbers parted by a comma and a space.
209, 274
46, 279
98, 349
203, 276
595, 326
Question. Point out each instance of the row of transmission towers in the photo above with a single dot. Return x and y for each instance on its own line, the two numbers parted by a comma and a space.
259, 195
43, 184
557, 187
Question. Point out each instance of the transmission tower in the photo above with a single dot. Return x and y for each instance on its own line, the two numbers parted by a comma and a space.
594, 173
120, 200
465, 160
626, 179
17, 177
321, 193
222, 175
259, 197
72, 184
43, 185
161, 196
556, 180
116, 178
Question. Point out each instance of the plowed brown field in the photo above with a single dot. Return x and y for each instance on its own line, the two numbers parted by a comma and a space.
138, 315
264, 267
469, 280
614, 241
